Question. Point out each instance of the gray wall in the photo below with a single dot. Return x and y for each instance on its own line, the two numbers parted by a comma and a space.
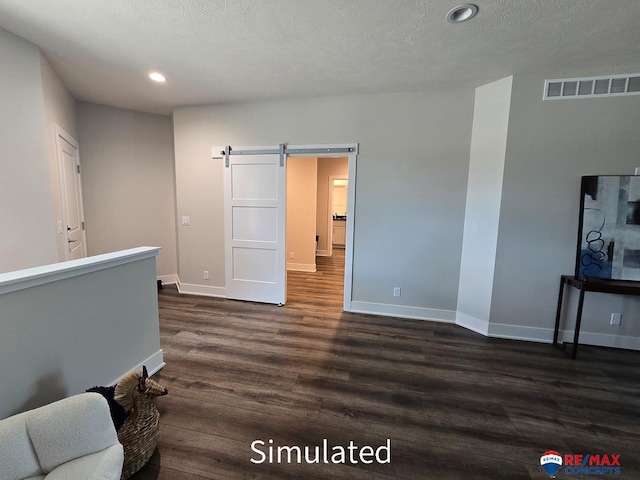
410, 185
60, 338
26, 211
128, 181
551, 144
59, 109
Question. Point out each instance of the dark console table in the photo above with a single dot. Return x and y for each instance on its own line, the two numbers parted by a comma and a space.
619, 287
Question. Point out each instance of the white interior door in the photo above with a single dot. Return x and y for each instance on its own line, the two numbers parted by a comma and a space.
71, 195
255, 189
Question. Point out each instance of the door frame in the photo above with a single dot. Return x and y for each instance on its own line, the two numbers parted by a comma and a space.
352, 157
63, 135
318, 151
330, 215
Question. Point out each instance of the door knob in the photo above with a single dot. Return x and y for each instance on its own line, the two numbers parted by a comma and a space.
71, 241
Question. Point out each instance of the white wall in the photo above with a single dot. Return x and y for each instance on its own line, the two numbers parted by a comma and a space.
551, 144
128, 181
410, 186
482, 212
60, 109
76, 325
301, 213
26, 210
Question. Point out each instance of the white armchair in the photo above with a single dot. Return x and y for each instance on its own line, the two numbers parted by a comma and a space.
73, 438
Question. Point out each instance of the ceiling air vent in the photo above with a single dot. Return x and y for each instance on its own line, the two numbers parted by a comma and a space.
589, 87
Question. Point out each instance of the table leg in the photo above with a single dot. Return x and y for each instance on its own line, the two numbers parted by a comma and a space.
576, 333
558, 312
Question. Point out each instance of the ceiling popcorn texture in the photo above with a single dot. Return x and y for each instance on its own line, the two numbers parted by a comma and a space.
220, 51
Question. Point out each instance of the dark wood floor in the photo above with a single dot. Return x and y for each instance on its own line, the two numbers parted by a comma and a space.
454, 404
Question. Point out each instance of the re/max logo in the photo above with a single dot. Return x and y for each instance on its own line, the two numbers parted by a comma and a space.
593, 460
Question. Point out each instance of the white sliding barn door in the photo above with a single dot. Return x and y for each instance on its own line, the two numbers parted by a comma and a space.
255, 189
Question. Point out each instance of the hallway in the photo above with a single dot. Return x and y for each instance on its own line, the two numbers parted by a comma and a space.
322, 289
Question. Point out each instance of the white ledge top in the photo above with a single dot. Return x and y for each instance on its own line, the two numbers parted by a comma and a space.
31, 277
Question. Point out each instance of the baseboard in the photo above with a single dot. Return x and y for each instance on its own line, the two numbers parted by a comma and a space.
168, 279
301, 267
506, 331
153, 363
519, 332
545, 335
402, 311
203, 290
607, 340
322, 253
472, 323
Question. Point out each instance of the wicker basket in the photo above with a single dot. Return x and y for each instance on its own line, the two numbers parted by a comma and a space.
139, 434
139, 437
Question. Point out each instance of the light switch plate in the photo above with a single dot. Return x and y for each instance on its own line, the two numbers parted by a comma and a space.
616, 318
186, 221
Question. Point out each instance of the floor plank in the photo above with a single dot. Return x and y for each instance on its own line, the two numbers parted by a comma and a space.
453, 404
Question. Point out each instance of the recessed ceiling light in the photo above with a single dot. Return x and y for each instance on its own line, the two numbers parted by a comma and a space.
462, 13
157, 77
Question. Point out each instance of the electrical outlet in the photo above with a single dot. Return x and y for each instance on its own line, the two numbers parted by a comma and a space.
186, 221
396, 291
292, 255
206, 274
616, 318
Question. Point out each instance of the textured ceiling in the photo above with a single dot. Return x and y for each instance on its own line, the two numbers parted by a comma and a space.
218, 51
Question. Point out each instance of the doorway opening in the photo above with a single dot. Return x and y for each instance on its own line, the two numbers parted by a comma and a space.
317, 206
338, 195
255, 218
